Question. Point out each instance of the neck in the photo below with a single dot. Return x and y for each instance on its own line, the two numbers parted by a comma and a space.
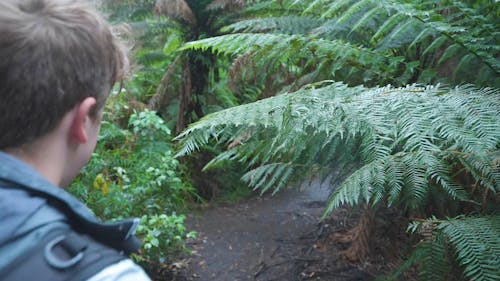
60, 154
49, 154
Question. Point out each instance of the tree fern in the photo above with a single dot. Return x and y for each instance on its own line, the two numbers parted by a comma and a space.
444, 32
337, 57
426, 150
407, 137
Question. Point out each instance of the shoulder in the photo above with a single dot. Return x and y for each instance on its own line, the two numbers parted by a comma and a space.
125, 270
16, 207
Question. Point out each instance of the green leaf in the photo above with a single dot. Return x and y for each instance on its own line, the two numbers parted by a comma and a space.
449, 53
435, 45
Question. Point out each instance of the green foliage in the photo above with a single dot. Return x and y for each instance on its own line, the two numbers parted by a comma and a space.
396, 42
128, 10
475, 241
283, 25
310, 59
432, 255
133, 174
408, 147
190, 84
163, 236
407, 141
149, 126
152, 58
426, 150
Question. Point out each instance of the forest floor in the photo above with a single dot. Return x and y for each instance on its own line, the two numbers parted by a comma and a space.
266, 238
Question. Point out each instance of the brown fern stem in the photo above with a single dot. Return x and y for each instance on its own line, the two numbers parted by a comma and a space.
185, 99
359, 237
158, 100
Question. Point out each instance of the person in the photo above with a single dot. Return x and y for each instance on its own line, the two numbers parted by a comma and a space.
58, 62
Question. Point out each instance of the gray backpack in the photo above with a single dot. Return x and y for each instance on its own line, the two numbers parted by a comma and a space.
62, 241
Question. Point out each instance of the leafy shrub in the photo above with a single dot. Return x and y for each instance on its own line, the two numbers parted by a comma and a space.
133, 174
162, 236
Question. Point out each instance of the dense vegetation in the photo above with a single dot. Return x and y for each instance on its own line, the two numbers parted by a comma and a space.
427, 151
397, 102
133, 174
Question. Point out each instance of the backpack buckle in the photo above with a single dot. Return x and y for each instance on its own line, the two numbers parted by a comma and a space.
52, 258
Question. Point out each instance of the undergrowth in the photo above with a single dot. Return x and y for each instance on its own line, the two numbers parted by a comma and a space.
133, 174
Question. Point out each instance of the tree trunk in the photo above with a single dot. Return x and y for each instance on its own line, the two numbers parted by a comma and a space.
185, 99
358, 237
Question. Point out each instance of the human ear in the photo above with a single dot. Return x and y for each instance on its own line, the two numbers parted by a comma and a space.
81, 120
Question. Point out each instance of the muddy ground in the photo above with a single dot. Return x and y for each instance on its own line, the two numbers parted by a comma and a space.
269, 238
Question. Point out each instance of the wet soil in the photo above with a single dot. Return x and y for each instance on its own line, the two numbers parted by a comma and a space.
268, 238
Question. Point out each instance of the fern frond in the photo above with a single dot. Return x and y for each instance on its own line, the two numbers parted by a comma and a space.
352, 10
312, 6
366, 20
383, 40
401, 35
406, 139
226, 4
334, 7
450, 52
337, 57
274, 175
386, 28
424, 34
356, 188
237, 43
434, 263
476, 242
284, 25
436, 45
458, 24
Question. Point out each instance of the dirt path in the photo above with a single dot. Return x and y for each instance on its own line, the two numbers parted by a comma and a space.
266, 238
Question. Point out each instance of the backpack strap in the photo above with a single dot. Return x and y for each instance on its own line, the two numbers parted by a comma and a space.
44, 215
53, 251
118, 234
